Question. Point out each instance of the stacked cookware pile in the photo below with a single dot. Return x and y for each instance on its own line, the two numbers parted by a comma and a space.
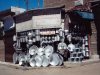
39, 57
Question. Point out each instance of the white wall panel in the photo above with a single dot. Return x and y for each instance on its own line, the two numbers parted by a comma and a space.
46, 21
24, 26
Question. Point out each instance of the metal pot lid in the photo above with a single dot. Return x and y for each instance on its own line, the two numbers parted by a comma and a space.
21, 61
49, 50
21, 56
15, 58
48, 55
62, 45
27, 57
40, 51
38, 60
71, 47
32, 62
45, 62
60, 60
54, 60
32, 50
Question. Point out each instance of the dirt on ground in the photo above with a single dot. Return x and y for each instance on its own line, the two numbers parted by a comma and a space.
90, 69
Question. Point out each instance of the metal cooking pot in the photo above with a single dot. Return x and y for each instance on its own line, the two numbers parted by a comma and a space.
30, 34
61, 46
86, 42
71, 47
48, 50
54, 60
61, 32
14, 38
37, 32
69, 37
32, 50
86, 37
45, 62
30, 41
38, 60
22, 59
57, 38
32, 62
15, 58
60, 60
40, 51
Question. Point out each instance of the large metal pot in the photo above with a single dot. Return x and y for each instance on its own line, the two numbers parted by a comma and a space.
71, 47
54, 60
61, 46
30, 34
49, 50
40, 51
32, 62
46, 61
32, 50
22, 59
60, 60
38, 60
15, 58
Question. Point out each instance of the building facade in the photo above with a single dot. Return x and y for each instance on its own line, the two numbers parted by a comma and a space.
6, 32
69, 4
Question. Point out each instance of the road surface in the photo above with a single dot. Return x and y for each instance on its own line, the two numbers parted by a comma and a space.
90, 69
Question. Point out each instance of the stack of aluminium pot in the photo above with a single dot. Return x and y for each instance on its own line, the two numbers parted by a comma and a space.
41, 57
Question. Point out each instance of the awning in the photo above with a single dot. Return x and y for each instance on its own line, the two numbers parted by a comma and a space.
86, 15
